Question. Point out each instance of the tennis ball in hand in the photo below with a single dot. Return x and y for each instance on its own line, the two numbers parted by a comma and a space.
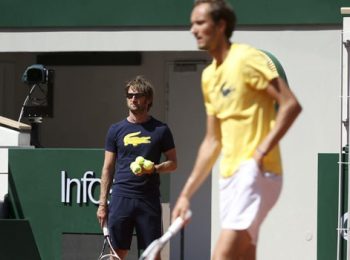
148, 165
140, 160
135, 168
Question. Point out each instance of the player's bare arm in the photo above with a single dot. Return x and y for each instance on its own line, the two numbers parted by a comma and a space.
289, 109
106, 182
208, 152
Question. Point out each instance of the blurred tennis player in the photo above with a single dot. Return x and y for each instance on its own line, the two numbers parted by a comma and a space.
241, 88
135, 199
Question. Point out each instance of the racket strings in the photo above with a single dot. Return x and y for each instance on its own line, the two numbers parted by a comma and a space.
112, 250
102, 250
111, 254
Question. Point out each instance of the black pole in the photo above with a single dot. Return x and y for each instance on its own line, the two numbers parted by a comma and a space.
182, 244
34, 135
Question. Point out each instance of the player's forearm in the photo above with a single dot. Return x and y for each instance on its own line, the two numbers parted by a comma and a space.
286, 115
207, 155
106, 182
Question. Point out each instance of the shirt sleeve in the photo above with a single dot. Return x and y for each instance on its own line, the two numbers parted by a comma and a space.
110, 140
258, 70
168, 140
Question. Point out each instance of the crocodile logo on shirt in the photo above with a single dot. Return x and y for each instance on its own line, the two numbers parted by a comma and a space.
135, 140
226, 90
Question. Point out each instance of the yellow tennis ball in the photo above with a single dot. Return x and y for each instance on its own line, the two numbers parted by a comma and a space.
135, 168
139, 160
148, 165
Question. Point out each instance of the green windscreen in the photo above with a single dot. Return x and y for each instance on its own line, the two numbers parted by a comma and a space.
111, 13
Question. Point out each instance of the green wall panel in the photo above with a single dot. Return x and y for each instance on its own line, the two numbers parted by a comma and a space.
35, 194
17, 241
37, 180
327, 207
90, 13
105, 13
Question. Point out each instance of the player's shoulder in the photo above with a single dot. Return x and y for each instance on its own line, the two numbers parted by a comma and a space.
241, 46
244, 50
247, 54
237, 51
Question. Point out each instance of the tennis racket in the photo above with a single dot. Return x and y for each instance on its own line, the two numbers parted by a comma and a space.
156, 246
107, 251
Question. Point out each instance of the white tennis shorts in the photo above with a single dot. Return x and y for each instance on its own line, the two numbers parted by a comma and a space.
247, 197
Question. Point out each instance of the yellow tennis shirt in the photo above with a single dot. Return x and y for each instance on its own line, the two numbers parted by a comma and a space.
235, 93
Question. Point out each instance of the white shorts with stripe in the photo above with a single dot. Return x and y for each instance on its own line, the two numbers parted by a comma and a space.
247, 197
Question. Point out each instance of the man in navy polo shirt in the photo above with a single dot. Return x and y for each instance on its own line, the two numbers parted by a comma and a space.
135, 199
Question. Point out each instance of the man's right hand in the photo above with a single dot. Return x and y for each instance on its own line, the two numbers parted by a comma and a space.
102, 213
181, 208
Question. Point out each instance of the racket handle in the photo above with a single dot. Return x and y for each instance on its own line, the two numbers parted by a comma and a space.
188, 215
178, 222
105, 230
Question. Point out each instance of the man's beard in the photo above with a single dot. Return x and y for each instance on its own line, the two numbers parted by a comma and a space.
137, 109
